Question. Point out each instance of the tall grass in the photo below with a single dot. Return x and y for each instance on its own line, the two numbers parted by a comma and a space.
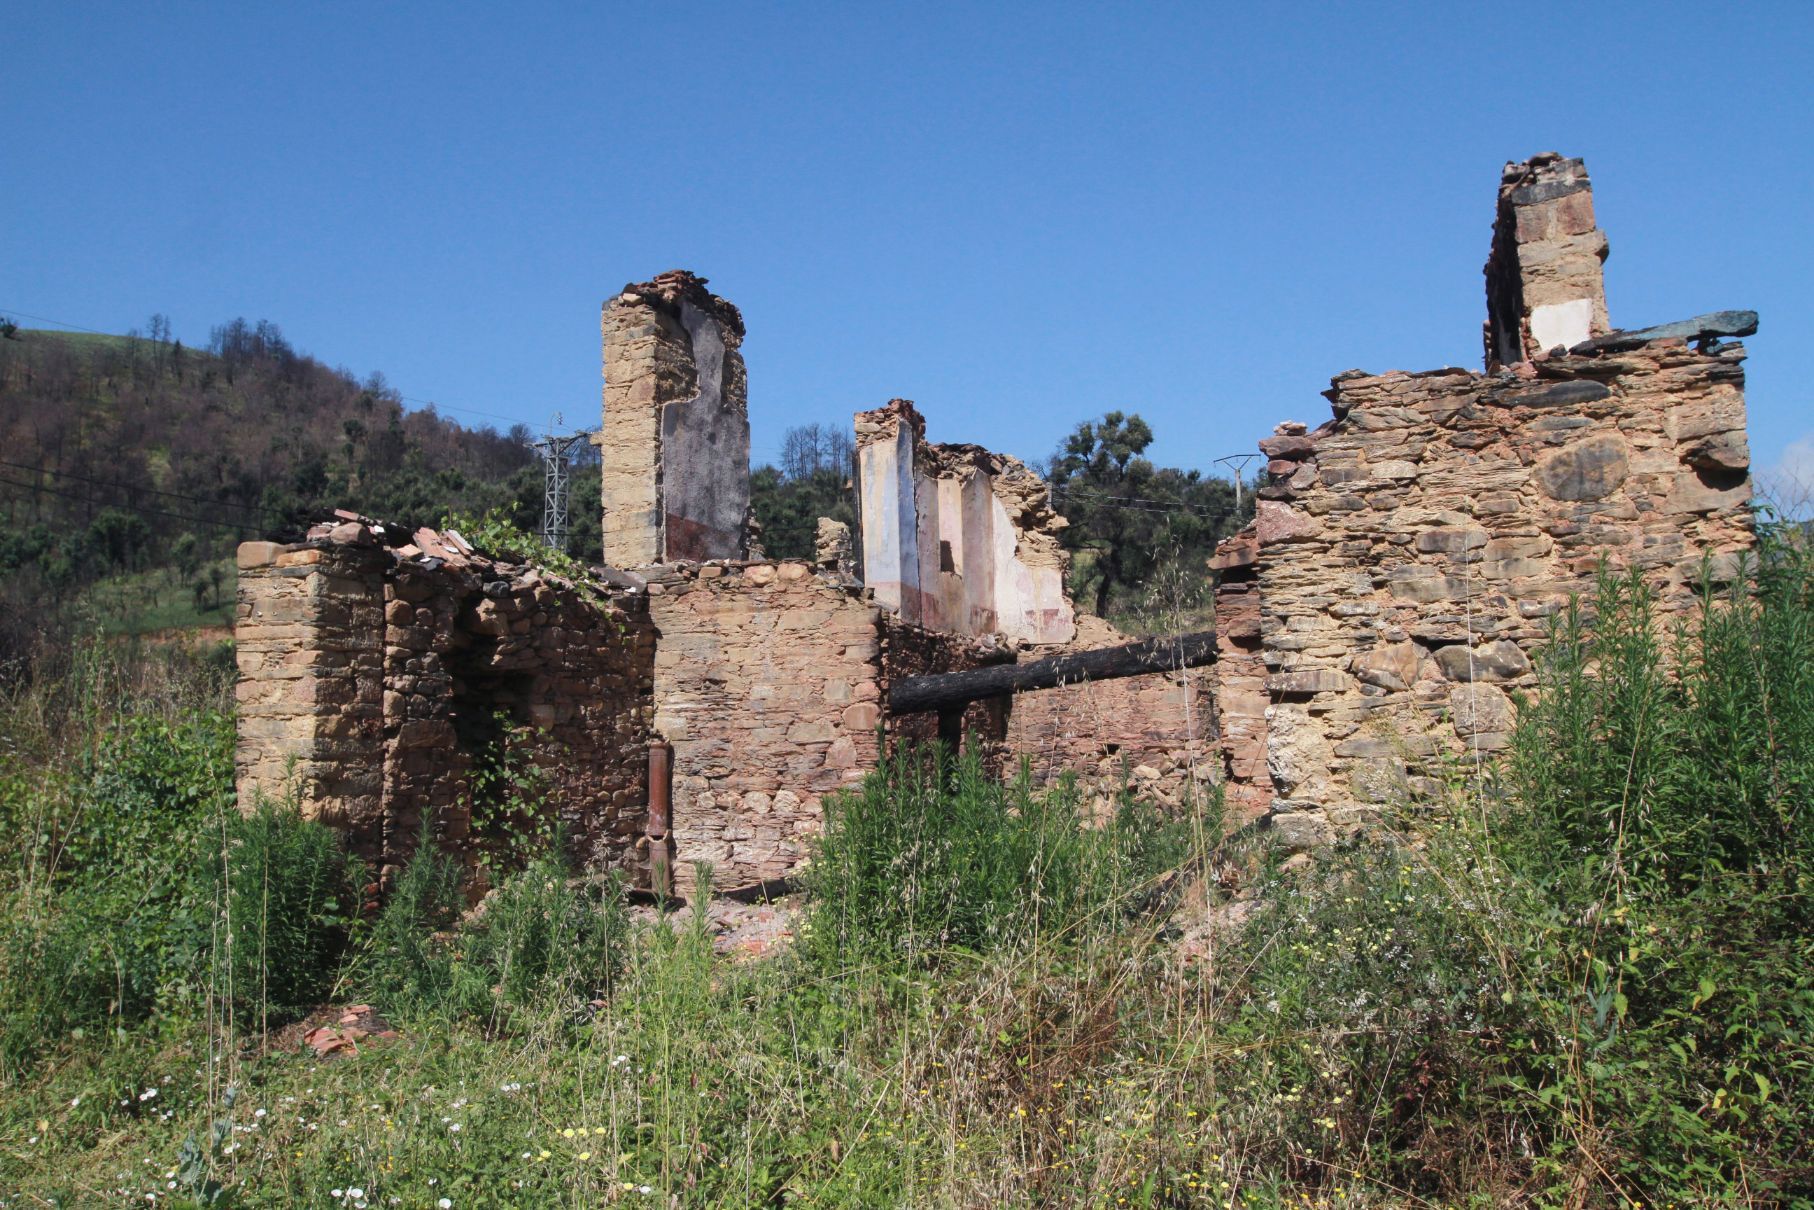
1590, 983
542, 941
136, 888
934, 853
1662, 838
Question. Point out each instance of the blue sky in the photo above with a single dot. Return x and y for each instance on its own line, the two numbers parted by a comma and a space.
1018, 215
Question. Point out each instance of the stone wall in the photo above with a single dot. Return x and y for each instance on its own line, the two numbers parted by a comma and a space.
674, 443
767, 683
1411, 551
390, 674
958, 538
309, 638
475, 651
1156, 732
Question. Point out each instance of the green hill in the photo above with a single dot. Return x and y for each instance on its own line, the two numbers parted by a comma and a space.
130, 466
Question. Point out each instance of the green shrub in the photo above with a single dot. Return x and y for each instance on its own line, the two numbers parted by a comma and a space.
541, 940
149, 790
140, 887
933, 853
1664, 784
282, 889
401, 963
54, 979
110, 918
546, 939
1665, 761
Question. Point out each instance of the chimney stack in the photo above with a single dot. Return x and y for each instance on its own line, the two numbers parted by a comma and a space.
1544, 282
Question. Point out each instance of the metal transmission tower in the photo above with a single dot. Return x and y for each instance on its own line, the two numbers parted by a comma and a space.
556, 451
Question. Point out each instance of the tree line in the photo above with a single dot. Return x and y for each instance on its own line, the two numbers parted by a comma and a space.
114, 446
122, 454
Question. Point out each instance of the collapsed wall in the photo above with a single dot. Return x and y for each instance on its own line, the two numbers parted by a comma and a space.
420, 689
674, 444
1406, 556
1372, 624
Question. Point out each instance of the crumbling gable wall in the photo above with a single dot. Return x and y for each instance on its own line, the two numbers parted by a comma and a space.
958, 538
961, 543
675, 439
384, 677
1409, 553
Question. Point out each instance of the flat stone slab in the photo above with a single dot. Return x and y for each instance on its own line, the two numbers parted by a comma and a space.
1701, 327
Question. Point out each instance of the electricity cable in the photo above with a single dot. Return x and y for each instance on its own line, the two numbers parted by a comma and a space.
134, 488
141, 510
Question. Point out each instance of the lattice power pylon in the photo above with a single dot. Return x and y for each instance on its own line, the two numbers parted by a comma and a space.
556, 452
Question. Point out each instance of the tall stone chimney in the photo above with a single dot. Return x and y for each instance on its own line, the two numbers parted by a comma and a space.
1544, 283
675, 442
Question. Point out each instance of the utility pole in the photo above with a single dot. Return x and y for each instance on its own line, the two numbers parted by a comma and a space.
556, 450
1238, 464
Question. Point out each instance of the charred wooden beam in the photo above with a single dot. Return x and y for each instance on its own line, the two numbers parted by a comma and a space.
941, 691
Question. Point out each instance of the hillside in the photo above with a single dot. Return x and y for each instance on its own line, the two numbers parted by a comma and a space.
125, 455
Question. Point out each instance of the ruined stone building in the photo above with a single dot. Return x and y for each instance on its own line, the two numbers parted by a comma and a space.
1371, 623
1407, 554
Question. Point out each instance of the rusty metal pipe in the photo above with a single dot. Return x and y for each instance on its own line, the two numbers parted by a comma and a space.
661, 807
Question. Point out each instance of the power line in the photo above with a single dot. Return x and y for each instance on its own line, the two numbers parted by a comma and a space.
140, 509
133, 488
60, 323
1139, 504
448, 407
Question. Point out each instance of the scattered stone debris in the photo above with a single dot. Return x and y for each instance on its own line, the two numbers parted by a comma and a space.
738, 930
349, 1027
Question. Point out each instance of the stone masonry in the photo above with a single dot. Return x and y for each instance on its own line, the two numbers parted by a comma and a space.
309, 638
768, 684
1407, 555
1155, 732
675, 442
379, 676
1374, 623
